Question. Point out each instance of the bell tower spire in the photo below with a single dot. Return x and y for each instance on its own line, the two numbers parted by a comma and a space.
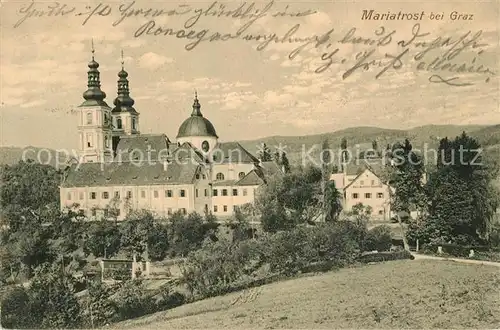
94, 122
196, 106
93, 95
125, 117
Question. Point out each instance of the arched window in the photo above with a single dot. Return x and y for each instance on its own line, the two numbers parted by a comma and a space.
119, 123
241, 175
89, 118
106, 141
133, 124
219, 176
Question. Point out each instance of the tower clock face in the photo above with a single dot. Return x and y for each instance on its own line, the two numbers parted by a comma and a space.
205, 146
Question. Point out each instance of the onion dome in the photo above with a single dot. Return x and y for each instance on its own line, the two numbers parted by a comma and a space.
123, 102
93, 95
196, 125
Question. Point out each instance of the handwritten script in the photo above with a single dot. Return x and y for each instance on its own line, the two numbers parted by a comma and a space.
456, 60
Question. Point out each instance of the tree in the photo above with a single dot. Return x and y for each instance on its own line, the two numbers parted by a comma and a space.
264, 153
344, 155
375, 145
289, 200
240, 227
189, 233
52, 299
27, 188
406, 183
99, 308
331, 198
455, 216
103, 239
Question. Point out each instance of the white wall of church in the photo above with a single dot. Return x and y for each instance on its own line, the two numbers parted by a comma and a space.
197, 141
231, 171
225, 198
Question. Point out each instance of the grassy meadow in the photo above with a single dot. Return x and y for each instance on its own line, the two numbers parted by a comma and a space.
397, 294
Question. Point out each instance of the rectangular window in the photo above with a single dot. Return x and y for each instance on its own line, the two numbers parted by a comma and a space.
117, 194
106, 213
373, 182
183, 210
94, 212
80, 195
117, 212
225, 208
380, 195
224, 192
196, 192
206, 192
245, 192
168, 193
169, 211
235, 207
129, 194
92, 195
155, 194
215, 208
368, 195
183, 193
204, 177
69, 196
235, 192
355, 195
105, 195
380, 212
215, 192
362, 182
143, 193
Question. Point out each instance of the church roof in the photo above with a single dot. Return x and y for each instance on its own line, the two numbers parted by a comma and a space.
196, 125
135, 147
129, 173
232, 152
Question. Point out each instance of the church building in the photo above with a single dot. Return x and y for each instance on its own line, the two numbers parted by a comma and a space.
119, 169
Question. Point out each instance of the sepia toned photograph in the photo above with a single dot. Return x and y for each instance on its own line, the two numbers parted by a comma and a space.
249, 165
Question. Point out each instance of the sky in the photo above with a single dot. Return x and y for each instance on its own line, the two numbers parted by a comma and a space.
249, 89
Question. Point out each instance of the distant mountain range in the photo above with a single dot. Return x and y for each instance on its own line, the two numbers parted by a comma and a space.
358, 138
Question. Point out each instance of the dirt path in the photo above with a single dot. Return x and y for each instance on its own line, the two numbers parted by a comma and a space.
465, 261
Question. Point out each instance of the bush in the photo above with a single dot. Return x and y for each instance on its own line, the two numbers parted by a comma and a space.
385, 256
216, 268
132, 300
378, 238
15, 306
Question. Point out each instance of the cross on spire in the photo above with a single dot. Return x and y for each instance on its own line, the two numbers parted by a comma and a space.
93, 50
122, 60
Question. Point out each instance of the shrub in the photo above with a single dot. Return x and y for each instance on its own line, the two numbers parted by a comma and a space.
378, 238
216, 268
132, 300
386, 256
15, 306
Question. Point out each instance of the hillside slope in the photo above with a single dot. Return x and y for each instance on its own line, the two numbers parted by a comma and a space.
400, 294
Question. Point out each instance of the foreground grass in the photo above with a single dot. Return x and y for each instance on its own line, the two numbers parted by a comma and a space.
398, 294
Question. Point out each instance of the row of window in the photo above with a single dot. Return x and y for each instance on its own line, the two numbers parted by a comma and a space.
373, 183
367, 195
119, 124
224, 208
168, 193
220, 176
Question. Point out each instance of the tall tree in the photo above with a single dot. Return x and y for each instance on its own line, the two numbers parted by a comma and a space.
264, 153
462, 218
407, 190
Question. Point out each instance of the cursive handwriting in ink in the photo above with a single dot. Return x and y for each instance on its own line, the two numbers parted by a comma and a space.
99, 10
314, 41
54, 9
396, 63
450, 81
415, 32
383, 40
128, 10
328, 57
285, 12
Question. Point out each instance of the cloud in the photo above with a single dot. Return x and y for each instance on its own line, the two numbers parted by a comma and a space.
153, 61
272, 98
32, 104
